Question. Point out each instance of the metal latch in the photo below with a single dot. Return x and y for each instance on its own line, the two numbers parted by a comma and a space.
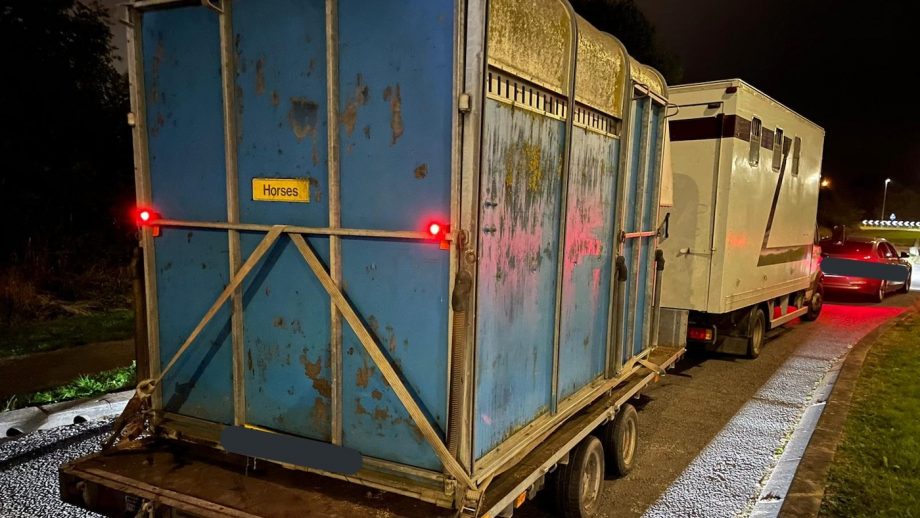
464, 103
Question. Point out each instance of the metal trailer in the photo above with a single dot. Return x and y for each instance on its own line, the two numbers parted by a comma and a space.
741, 248
452, 271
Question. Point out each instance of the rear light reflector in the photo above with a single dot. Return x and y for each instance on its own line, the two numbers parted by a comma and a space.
700, 334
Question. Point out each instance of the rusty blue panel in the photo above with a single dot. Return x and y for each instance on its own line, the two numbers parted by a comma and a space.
400, 289
185, 143
396, 89
281, 104
286, 345
632, 222
521, 190
646, 244
588, 256
281, 118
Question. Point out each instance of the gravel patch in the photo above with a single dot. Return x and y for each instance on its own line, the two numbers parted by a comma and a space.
29, 469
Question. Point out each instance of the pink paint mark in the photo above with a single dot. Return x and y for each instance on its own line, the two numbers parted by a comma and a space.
487, 420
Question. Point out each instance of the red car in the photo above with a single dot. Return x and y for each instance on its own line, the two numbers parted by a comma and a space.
875, 250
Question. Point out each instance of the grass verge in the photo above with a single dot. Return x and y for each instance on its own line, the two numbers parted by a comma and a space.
33, 337
876, 470
82, 387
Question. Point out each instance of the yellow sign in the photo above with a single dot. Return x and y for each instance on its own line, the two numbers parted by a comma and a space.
295, 190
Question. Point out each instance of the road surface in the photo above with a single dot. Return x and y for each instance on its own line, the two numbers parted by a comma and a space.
710, 431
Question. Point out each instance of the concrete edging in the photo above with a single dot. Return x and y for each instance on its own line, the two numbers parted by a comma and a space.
27, 420
796, 485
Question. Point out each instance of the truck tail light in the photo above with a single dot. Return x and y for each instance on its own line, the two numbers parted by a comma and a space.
700, 334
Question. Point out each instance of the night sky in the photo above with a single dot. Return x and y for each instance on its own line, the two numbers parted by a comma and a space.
845, 65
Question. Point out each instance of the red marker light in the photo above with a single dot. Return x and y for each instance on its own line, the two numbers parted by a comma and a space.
434, 229
146, 218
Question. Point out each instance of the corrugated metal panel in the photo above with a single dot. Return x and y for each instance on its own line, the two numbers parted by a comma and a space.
600, 78
531, 39
185, 142
522, 163
589, 250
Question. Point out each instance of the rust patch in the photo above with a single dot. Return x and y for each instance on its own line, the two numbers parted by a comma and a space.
367, 131
320, 410
315, 192
278, 322
249, 361
377, 395
391, 339
421, 171
311, 67
260, 76
363, 376
358, 99
374, 325
391, 95
303, 117
381, 414
296, 327
313, 370
359, 408
276, 99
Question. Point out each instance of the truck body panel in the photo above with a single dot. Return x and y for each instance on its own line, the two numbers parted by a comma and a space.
742, 227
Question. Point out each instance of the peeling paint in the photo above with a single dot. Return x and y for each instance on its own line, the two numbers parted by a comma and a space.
260, 76
303, 117
320, 412
358, 99
363, 375
421, 171
376, 394
313, 371
276, 99
392, 96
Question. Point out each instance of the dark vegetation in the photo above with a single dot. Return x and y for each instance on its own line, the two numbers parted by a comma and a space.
66, 184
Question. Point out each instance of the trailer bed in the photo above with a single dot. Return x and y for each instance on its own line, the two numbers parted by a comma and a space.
199, 480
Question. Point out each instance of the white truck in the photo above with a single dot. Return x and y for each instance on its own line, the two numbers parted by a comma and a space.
740, 244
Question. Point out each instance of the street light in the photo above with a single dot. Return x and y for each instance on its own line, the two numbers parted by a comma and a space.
825, 182
885, 196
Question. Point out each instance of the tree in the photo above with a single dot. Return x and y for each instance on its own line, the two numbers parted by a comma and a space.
624, 19
67, 173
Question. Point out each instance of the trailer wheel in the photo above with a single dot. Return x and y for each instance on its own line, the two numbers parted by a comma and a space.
578, 483
814, 306
621, 440
758, 328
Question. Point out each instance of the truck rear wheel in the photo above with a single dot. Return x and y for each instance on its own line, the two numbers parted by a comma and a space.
579, 483
814, 306
758, 329
621, 440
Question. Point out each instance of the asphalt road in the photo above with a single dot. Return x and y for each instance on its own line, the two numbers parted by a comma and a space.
711, 430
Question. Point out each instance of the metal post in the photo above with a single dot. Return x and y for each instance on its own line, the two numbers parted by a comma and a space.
228, 86
885, 197
563, 207
335, 211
